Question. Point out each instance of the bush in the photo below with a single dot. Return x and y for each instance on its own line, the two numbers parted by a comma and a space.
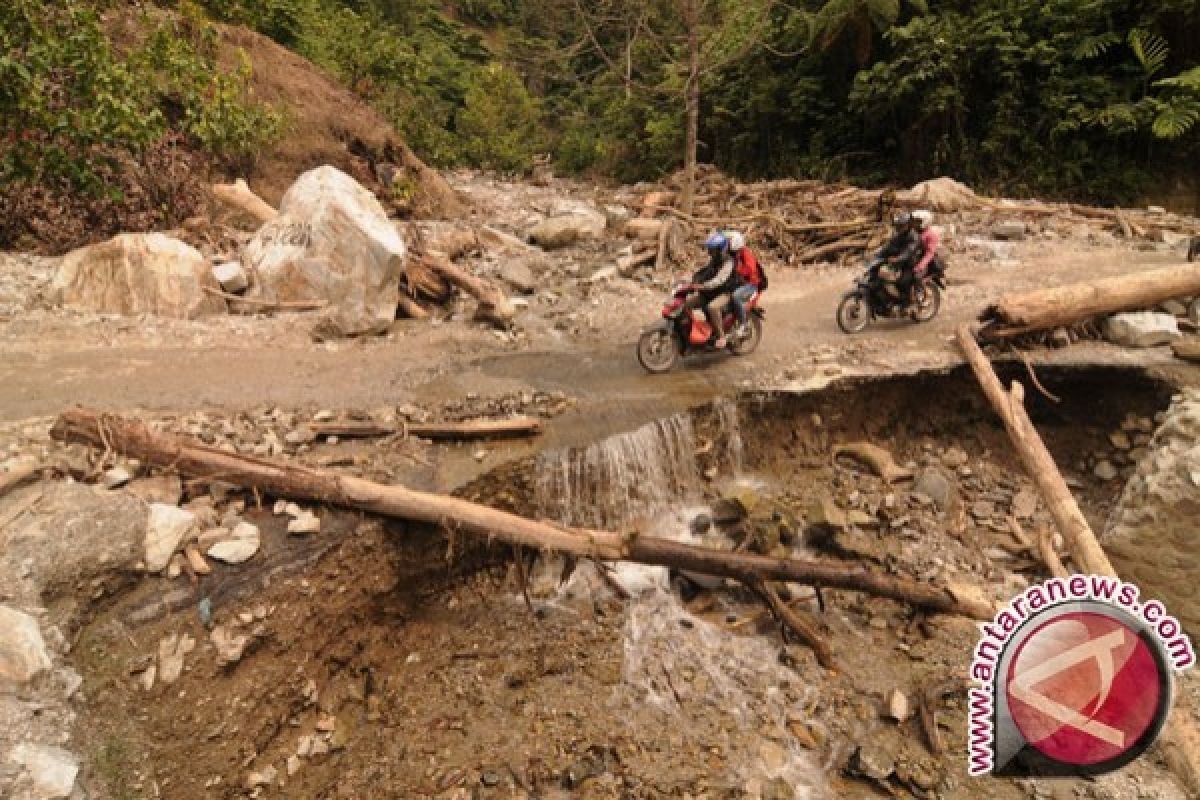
500, 124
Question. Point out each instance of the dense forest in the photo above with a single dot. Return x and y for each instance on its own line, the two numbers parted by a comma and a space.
1089, 99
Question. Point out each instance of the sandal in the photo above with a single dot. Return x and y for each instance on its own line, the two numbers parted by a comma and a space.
721, 343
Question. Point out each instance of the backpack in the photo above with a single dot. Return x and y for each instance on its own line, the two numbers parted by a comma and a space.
762, 274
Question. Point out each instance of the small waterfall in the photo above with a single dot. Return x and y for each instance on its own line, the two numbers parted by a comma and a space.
622, 476
730, 432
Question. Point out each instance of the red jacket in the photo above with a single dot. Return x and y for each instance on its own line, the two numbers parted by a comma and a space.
929, 244
747, 267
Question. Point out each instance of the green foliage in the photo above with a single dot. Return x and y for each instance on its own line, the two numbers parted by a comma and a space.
500, 123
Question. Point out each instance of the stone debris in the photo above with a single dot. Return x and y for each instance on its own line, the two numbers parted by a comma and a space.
172, 650
230, 646
1141, 329
264, 777
898, 707
240, 547
50, 769
166, 528
232, 276
116, 477
305, 523
23, 652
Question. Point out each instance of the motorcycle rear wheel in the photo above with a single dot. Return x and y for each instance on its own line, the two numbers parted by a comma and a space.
745, 345
853, 315
929, 302
657, 351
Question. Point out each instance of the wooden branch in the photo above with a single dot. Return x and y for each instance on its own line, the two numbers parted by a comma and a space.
1181, 742
265, 305
135, 440
17, 476
410, 307
1064, 306
494, 305
627, 264
840, 246
793, 621
458, 431
237, 195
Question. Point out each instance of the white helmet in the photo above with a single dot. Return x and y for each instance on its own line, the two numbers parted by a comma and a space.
737, 241
923, 218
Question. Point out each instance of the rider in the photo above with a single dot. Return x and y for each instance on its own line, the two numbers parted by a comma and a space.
901, 250
713, 284
751, 278
930, 240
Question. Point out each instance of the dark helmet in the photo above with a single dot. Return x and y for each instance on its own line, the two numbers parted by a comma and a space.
717, 244
901, 220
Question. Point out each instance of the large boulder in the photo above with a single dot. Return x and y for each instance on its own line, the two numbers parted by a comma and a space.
1141, 329
138, 273
1151, 534
565, 229
332, 244
940, 194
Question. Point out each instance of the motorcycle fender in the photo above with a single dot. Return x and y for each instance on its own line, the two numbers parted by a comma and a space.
661, 325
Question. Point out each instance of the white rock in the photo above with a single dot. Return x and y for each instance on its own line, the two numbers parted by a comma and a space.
306, 523
52, 769
567, 229
1141, 329
331, 243
23, 652
166, 527
230, 646
241, 547
116, 477
137, 273
898, 706
1011, 231
232, 276
172, 650
264, 777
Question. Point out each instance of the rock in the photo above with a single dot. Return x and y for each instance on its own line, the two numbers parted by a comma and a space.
824, 513
137, 273
1024, 504
898, 706
519, 276
297, 437
955, 457
196, 561
937, 486
1120, 440
243, 543
293, 765
304, 524
52, 770
1010, 231
172, 650
565, 230
617, 216
232, 276
700, 524
165, 489
116, 477
743, 498
940, 194
1141, 329
1105, 471
873, 760
1175, 308
332, 243
23, 652
230, 646
1187, 349
1156, 210
265, 777
166, 527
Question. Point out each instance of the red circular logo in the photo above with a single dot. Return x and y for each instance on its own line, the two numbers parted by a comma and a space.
1084, 688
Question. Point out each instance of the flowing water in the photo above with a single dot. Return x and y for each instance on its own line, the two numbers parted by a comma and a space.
713, 690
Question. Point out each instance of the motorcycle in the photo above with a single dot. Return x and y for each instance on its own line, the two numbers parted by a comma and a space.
870, 299
681, 333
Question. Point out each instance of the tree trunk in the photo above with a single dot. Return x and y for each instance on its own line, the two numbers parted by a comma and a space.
451, 431
1043, 309
134, 440
1180, 742
237, 195
691, 14
494, 305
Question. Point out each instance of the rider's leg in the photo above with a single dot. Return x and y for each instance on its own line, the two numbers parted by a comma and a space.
741, 297
714, 310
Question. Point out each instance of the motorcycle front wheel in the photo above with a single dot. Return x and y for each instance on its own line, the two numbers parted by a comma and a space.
929, 302
853, 315
657, 351
745, 345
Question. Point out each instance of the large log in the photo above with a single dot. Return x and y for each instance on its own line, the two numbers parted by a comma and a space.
450, 431
494, 305
133, 439
1180, 741
1043, 309
238, 196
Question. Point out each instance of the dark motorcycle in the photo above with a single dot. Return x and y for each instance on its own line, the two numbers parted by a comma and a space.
681, 333
875, 296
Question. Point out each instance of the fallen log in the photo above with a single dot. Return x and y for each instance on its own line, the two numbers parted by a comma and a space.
410, 307
265, 305
18, 475
494, 305
1064, 306
835, 248
796, 623
458, 431
627, 264
1180, 741
237, 195
133, 439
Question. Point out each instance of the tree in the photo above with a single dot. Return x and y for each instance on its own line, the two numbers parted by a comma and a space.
500, 123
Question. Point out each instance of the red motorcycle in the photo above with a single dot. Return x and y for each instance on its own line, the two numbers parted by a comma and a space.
680, 333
